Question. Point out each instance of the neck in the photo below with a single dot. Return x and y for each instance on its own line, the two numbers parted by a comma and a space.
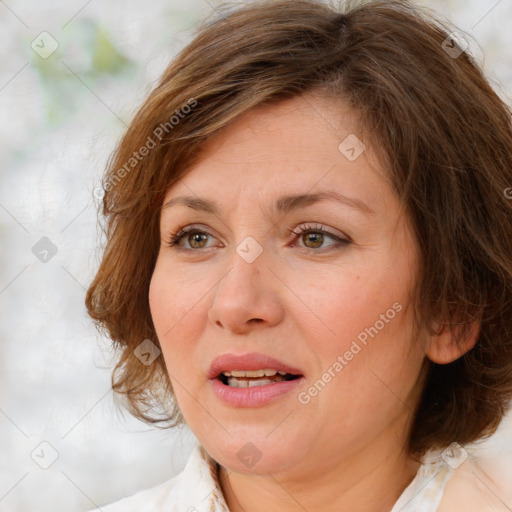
370, 480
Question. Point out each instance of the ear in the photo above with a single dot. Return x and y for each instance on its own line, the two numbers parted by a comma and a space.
443, 348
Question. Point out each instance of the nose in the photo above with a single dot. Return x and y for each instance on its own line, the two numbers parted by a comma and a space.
247, 297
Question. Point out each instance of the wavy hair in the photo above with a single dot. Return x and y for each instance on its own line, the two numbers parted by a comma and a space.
443, 132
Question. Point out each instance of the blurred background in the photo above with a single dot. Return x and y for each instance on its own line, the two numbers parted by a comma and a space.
72, 75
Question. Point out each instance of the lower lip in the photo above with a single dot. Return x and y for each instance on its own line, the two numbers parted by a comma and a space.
255, 396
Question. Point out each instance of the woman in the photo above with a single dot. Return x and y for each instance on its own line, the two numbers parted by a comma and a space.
309, 262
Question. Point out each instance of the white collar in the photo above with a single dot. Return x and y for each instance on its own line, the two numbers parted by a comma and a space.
202, 492
197, 489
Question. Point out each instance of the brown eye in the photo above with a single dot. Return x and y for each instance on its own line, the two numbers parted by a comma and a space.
313, 237
197, 238
316, 239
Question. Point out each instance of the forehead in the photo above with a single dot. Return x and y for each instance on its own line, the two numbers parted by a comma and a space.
296, 146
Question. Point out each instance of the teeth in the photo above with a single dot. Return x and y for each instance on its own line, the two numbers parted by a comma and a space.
260, 382
237, 383
253, 373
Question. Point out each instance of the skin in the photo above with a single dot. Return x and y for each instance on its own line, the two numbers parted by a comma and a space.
345, 449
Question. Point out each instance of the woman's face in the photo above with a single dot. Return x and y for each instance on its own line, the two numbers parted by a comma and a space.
245, 281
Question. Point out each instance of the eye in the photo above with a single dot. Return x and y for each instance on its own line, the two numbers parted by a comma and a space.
195, 237
315, 235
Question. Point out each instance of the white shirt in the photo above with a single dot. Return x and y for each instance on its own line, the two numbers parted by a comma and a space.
197, 489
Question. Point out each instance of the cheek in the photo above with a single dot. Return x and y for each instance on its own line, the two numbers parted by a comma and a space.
178, 314
361, 331
350, 305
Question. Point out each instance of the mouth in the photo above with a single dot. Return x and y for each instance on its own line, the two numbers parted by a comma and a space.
254, 378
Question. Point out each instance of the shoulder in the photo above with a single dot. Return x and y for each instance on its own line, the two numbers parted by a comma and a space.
146, 500
478, 485
195, 488
460, 480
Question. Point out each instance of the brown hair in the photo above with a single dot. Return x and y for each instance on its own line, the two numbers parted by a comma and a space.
442, 131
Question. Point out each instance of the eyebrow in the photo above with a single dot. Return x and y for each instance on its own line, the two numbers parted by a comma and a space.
282, 205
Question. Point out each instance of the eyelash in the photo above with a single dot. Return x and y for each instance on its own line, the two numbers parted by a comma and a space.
175, 238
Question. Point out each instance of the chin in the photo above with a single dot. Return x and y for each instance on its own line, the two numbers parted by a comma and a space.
256, 454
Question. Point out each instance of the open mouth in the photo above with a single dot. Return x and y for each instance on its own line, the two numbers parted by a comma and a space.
253, 378
264, 379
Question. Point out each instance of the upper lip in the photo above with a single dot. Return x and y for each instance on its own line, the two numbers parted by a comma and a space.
252, 361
